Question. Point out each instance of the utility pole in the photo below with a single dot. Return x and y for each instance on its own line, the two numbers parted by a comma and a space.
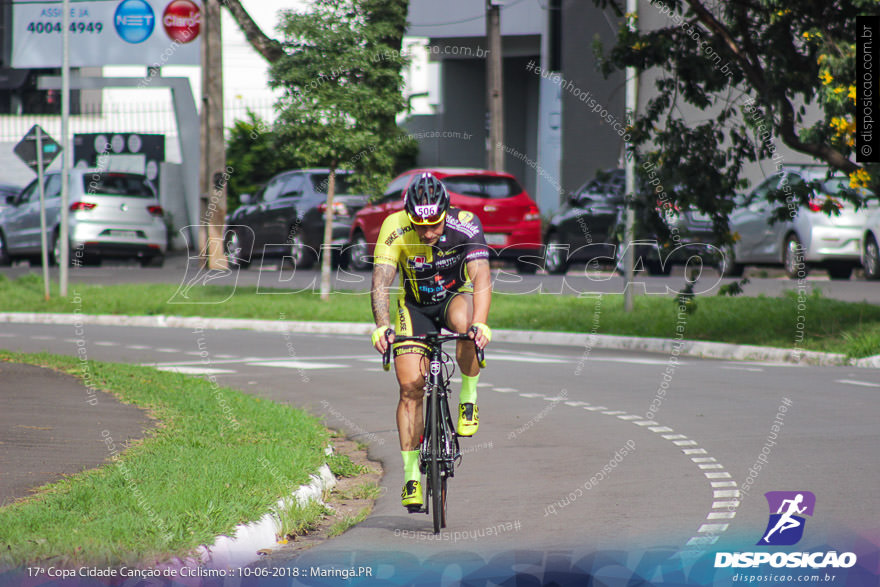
212, 169
632, 101
494, 95
66, 150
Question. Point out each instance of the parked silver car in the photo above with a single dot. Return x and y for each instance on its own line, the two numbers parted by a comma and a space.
832, 242
110, 214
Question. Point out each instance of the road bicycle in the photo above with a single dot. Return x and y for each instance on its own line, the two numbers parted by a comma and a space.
438, 450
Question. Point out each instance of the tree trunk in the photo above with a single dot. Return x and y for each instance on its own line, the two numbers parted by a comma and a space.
327, 247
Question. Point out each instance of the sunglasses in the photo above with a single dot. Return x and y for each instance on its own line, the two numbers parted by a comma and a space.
435, 219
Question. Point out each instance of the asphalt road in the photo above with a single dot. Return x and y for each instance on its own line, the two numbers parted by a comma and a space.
179, 269
551, 418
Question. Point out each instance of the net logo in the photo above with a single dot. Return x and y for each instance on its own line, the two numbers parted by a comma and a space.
182, 20
786, 525
134, 21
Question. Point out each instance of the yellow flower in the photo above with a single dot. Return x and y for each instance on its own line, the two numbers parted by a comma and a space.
838, 90
852, 94
826, 78
859, 179
821, 58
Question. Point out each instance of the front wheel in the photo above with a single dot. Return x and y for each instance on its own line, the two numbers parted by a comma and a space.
871, 259
727, 265
793, 258
434, 482
5, 258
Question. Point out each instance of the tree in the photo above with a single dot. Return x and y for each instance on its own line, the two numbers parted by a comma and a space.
342, 89
753, 66
256, 154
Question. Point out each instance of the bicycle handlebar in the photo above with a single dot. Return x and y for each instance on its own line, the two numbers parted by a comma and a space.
432, 338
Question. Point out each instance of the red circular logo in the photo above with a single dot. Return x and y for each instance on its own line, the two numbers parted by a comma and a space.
182, 20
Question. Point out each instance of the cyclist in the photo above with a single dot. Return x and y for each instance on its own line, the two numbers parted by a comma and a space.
444, 262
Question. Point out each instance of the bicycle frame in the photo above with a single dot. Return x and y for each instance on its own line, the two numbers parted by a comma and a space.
439, 448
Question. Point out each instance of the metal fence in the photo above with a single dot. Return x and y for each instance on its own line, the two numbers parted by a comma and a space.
144, 117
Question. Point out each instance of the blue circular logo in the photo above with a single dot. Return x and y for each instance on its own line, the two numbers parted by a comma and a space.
134, 21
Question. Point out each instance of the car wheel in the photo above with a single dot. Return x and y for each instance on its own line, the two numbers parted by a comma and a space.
793, 258
727, 265
298, 251
5, 258
233, 248
358, 253
524, 268
154, 261
555, 258
870, 260
840, 271
55, 253
655, 267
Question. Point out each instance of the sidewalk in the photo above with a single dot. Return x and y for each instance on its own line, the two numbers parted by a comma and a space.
51, 425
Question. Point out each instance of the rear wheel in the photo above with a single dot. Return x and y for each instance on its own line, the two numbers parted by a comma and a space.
358, 253
870, 259
793, 258
555, 260
298, 252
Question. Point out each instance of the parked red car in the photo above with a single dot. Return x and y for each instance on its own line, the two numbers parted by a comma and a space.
511, 220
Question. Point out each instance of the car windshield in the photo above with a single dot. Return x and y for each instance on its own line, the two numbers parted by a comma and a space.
482, 186
117, 184
321, 182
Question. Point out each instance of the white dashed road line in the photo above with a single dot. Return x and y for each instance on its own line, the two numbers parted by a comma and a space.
860, 383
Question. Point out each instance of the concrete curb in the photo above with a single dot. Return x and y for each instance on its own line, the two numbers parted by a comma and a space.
713, 350
243, 547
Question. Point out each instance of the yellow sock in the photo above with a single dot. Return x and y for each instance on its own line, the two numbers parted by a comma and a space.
411, 465
468, 389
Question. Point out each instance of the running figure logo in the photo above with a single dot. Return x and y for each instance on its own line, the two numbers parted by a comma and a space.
786, 526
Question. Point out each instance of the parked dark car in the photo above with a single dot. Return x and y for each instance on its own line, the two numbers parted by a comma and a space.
589, 227
286, 218
510, 218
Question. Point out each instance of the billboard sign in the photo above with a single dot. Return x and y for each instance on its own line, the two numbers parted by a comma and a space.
108, 32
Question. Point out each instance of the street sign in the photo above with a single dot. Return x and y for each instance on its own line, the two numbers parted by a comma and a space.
26, 149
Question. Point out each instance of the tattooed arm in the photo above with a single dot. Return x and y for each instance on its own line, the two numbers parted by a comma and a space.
383, 277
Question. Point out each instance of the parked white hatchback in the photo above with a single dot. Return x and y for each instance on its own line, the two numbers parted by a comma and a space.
110, 215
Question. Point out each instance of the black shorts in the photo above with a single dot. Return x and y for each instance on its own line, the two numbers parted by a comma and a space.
413, 320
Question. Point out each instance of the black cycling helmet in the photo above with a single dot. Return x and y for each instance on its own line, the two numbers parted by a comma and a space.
426, 200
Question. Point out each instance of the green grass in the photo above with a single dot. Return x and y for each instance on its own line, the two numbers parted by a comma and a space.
297, 519
342, 466
197, 474
347, 522
367, 490
829, 325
